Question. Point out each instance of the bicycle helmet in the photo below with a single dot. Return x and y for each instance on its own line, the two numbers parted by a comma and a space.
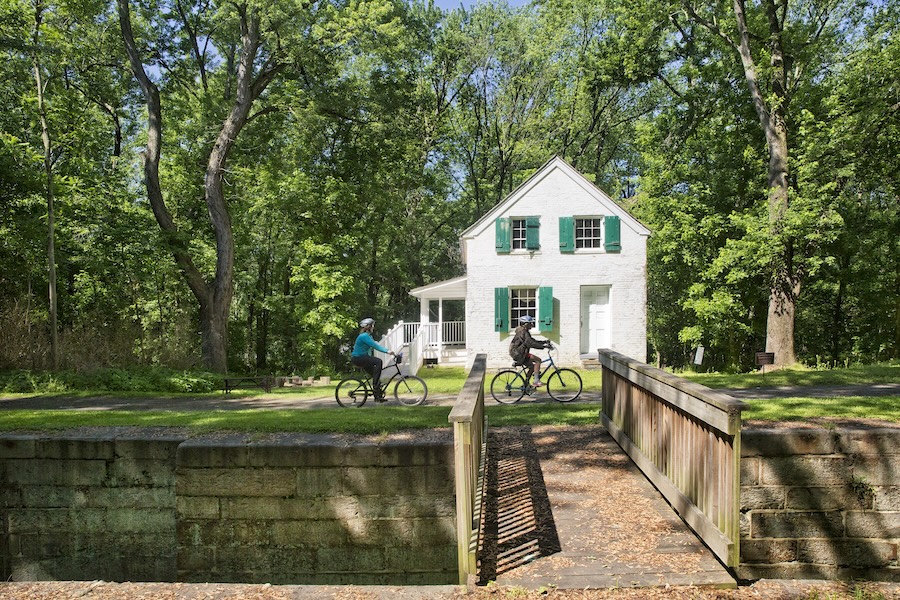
526, 320
366, 322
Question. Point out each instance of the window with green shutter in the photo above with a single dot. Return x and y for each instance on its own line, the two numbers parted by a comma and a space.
503, 236
545, 308
567, 234
612, 234
501, 309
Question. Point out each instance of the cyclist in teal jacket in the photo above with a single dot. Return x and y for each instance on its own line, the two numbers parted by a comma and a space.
361, 356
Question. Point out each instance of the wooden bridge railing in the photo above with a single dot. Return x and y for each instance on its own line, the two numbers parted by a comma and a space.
469, 442
686, 438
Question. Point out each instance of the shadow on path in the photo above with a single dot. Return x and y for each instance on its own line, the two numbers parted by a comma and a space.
518, 520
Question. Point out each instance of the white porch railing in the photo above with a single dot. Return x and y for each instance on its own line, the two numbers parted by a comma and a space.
419, 341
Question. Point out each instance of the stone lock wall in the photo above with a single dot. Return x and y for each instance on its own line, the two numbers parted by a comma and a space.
304, 509
820, 504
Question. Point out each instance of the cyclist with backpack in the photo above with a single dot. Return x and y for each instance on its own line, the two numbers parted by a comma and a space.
521, 343
361, 356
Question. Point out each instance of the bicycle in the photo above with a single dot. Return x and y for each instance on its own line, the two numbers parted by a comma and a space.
563, 384
409, 390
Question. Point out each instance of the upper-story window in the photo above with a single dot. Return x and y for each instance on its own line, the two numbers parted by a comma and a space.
589, 233
518, 233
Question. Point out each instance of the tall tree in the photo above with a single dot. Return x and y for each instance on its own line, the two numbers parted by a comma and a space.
257, 65
777, 45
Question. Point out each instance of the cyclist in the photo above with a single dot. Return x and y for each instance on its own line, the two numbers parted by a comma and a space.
361, 356
521, 343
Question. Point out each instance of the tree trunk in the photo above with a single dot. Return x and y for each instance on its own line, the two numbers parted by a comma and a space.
48, 173
214, 297
785, 285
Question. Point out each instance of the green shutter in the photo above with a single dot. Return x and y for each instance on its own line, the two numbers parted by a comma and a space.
612, 234
504, 235
501, 309
567, 234
545, 308
533, 233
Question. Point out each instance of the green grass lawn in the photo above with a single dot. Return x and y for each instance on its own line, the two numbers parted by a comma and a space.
448, 381
367, 420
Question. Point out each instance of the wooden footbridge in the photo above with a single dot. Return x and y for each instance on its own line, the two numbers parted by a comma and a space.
567, 508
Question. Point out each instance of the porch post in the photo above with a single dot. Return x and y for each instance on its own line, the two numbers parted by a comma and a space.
440, 326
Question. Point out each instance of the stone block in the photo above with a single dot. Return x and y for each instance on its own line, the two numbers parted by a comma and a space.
870, 524
193, 508
230, 451
17, 446
310, 534
224, 534
402, 481
364, 453
787, 571
787, 442
72, 473
744, 525
805, 471
271, 508
194, 558
124, 520
876, 470
827, 498
846, 553
883, 442
887, 498
312, 482
769, 524
263, 562
768, 551
399, 452
139, 472
296, 450
99, 448
762, 497
234, 482
750, 471
42, 521
350, 559
406, 507
131, 497
165, 449
426, 559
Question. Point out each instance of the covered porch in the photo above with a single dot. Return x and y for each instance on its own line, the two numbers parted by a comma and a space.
439, 336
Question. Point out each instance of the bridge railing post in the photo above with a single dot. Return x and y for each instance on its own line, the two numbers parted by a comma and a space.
469, 443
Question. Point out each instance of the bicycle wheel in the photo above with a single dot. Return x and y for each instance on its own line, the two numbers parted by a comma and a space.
564, 385
508, 386
351, 393
411, 390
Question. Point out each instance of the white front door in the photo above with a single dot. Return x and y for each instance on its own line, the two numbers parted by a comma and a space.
594, 318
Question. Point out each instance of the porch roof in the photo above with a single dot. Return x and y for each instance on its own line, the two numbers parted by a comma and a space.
449, 289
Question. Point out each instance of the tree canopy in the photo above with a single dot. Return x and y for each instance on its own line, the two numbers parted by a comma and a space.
233, 184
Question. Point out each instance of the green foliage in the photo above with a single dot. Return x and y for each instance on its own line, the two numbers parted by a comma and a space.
147, 380
389, 127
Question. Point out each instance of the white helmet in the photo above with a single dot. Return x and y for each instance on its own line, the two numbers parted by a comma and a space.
366, 322
526, 319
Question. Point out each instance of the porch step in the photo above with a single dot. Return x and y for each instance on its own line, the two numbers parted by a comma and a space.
591, 364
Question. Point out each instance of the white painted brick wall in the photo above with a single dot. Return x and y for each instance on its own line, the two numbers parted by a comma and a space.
553, 196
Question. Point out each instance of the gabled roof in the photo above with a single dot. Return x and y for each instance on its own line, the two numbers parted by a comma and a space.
555, 163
